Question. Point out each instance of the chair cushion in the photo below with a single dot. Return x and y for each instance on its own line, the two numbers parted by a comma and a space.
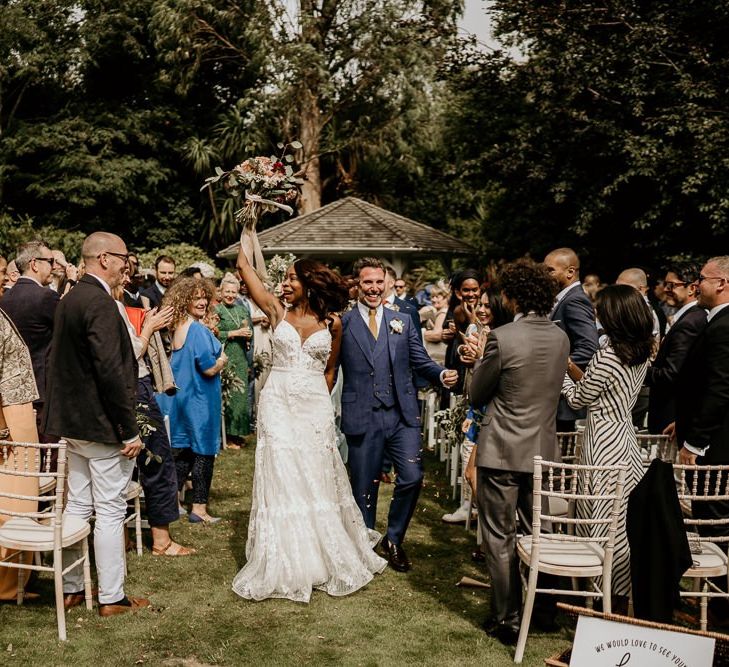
563, 554
28, 535
46, 485
711, 562
558, 506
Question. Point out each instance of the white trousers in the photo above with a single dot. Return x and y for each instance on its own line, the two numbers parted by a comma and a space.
98, 477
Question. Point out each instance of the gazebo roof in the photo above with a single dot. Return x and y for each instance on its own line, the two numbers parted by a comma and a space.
354, 227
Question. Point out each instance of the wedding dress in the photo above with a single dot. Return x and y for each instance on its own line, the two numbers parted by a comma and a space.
305, 530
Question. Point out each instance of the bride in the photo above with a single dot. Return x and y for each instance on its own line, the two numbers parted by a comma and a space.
305, 530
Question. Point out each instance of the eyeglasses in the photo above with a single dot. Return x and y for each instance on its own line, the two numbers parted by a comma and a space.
702, 278
122, 256
50, 260
670, 284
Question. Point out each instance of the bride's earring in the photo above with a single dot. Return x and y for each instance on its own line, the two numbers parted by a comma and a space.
308, 294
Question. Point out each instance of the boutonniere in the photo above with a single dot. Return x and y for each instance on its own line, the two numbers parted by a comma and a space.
392, 306
396, 326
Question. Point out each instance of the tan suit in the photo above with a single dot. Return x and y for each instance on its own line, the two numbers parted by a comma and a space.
519, 381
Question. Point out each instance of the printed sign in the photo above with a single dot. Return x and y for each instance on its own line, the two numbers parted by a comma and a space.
601, 643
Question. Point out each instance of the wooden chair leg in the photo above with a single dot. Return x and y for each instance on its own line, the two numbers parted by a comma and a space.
58, 586
21, 583
526, 616
138, 524
705, 608
87, 574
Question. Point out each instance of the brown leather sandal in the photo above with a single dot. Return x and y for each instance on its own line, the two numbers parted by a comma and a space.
173, 549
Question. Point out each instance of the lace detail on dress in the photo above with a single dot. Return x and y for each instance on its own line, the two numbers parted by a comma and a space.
305, 530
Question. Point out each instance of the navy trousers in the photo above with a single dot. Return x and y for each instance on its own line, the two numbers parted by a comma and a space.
387, 436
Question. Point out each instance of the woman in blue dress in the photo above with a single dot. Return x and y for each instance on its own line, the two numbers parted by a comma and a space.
195, 410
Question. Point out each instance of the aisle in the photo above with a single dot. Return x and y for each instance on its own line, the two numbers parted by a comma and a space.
420, 618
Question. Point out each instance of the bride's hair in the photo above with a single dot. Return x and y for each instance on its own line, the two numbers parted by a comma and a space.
325, 289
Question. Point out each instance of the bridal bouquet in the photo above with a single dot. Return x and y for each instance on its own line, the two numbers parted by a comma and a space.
266, 184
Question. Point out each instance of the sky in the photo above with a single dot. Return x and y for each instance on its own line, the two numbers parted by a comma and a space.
476, 21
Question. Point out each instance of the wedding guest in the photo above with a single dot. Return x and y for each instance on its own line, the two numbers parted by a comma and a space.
3, 272
575, 315
484, 319
11, 276
520, 390
31, 306
164, 271
392, 301
58, 274
17, 393
132, 294
90, 403
689, 321
236, 334
591, 286
197, 360
435, 335
608, 388
401, 291
156, 467
465, 293
702, 403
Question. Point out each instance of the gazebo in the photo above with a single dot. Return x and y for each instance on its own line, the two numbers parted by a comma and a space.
350, 228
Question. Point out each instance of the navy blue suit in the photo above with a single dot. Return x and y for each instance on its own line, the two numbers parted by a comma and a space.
380, 412
576, 317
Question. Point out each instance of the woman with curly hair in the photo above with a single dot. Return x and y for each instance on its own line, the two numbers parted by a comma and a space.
305, 530
608, 389
195, 410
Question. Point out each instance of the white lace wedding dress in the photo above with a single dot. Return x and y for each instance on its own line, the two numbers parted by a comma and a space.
305, 530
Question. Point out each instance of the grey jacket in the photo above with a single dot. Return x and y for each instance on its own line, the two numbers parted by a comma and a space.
519, 381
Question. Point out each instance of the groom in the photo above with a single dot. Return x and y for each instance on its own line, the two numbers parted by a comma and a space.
380, 350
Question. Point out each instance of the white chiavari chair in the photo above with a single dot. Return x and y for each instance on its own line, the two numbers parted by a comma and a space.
36, 531
581, 553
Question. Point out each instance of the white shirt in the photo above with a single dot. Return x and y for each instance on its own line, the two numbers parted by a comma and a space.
715, 310
563, 293
712, 313
681, 311
364, 311
161, 288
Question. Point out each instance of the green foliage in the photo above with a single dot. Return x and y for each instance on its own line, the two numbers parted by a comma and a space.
184, 255
609, 132
14, 231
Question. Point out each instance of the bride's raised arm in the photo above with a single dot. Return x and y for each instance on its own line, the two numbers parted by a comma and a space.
266, 301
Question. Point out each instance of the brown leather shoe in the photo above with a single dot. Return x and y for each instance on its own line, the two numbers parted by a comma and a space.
71, 600
115, 609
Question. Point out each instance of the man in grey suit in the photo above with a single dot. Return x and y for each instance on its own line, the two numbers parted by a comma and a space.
518, 380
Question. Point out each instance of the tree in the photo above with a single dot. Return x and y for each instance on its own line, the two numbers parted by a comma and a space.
610, 132
350, 79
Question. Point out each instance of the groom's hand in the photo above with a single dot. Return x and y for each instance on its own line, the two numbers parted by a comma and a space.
449, 378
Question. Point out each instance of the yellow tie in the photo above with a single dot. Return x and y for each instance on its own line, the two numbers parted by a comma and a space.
373, 322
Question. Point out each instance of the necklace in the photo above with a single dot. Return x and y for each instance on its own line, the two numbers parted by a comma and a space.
226, 311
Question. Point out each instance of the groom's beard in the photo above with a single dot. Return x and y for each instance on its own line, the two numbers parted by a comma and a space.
365, 299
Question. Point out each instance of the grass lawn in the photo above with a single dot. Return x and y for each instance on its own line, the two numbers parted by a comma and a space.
418, 618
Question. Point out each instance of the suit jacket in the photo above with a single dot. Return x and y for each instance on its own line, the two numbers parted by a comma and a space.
663, 373
576, 317
153, 294
405, 354
408, 309
92, 373
32, 308
519, 380
702, 392
659, 549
